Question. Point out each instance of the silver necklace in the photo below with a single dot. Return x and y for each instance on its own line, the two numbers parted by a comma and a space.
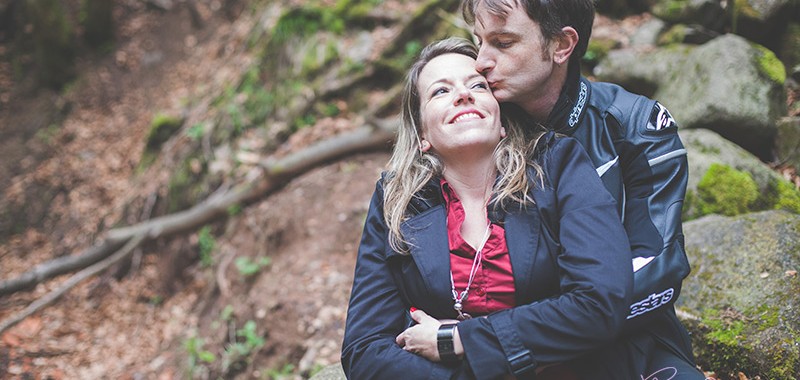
460, 298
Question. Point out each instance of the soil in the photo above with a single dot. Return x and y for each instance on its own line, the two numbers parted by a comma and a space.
135, 321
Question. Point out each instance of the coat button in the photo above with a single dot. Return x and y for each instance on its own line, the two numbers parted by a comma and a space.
480, 292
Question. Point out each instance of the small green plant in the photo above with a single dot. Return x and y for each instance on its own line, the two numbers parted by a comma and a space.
237, 351
194, 348
283, 373
234, 209
207, 243
251, 338
248, 267
196, 132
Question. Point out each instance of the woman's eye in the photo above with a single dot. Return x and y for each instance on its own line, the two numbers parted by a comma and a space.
481, 85
439, 91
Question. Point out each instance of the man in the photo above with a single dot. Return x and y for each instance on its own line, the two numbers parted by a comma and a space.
530, 53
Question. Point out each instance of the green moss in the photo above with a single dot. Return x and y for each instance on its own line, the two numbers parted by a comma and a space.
788, 197
770, 66
725, 332
671, 10
727, 191
318, 58
598, 49
162, 128
675, 35
310, 19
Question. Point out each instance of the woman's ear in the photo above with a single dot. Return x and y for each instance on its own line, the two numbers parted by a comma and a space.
424, 145
502, 132
564, 45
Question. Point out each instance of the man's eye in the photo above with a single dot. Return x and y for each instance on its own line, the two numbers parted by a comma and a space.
503, 44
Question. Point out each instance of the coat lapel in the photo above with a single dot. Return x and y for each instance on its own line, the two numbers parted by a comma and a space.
427, 235
522, 239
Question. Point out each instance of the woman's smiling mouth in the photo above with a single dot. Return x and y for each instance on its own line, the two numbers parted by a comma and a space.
466, 115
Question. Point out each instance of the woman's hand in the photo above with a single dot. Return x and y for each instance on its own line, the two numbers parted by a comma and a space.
420, 339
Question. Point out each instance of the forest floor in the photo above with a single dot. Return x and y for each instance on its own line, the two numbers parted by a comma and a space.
135, 323
140, 321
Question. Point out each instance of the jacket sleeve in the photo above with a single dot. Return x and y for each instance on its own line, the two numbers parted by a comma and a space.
376, 313
595, 280
654, 169
655, 173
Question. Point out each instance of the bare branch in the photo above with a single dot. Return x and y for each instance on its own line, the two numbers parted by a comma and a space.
72, 281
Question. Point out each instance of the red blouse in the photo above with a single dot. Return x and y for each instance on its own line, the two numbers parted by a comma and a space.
492, 288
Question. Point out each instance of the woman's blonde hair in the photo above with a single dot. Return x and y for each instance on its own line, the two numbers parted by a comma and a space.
410, 168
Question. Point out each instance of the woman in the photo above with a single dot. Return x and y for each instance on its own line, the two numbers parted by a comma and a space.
456, 239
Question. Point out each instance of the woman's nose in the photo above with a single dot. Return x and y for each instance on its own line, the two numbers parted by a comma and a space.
463, 95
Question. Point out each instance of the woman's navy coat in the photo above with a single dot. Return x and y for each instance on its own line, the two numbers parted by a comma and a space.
572, 292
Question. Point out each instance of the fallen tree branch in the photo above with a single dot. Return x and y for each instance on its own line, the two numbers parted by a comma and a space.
275, 173
59, 266
51, 297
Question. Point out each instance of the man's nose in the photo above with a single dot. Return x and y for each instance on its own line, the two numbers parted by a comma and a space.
484, 63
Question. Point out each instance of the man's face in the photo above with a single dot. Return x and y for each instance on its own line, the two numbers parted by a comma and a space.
513, 55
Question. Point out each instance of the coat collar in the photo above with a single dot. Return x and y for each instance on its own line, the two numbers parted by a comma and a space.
571, 104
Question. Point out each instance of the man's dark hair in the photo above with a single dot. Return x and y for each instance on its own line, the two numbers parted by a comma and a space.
551, 15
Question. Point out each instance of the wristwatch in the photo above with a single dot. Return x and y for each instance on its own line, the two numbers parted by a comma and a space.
444, 342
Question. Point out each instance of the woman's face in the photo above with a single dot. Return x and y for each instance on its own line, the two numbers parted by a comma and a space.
458, 111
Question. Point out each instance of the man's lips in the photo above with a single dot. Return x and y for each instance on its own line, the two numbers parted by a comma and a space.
466, 115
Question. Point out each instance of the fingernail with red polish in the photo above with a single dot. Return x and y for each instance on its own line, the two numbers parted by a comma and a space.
413, 309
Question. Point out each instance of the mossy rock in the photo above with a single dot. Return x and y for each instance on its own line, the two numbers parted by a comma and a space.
790, 46
162, 128
725, 179
597, 50
743, 288
708, 13
787, 143
770, 66
726, 191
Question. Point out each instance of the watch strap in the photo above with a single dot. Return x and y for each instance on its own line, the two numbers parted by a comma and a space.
444, 342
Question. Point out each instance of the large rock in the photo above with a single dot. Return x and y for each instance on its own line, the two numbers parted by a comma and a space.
762, 20
331, 372
723, 176
743, 292
708, 13
728, 85
787, 145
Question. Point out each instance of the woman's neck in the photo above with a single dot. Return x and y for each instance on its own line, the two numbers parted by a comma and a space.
472, 182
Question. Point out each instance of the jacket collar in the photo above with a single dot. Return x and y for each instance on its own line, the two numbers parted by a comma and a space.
571, 103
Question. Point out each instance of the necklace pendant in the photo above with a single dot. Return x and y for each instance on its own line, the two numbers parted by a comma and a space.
458, 307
